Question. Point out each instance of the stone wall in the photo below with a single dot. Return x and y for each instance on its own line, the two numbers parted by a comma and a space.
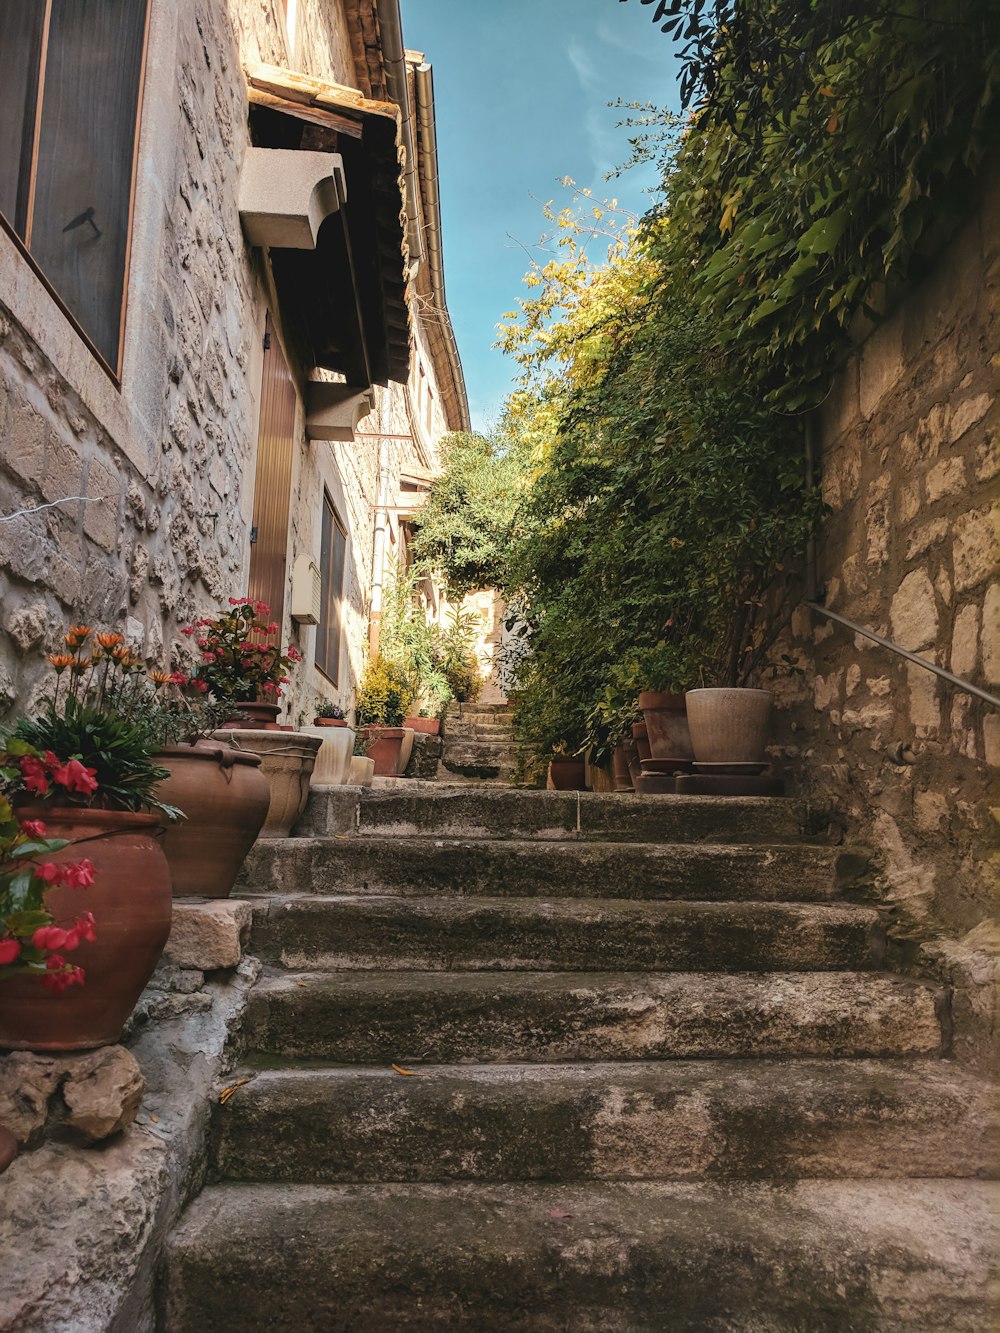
910, 470
166, 459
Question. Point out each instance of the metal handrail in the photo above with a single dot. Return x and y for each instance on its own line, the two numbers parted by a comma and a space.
966, 686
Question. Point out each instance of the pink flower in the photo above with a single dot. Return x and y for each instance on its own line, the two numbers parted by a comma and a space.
61, 976
188, 630
33, 772
9, 950
50, 937
74, 777
179, 678
80, 875
33, 828
50, 872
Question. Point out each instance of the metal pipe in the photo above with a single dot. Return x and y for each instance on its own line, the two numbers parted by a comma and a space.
965, 686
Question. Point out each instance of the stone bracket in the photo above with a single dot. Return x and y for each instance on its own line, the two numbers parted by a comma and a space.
286, 195
334, 410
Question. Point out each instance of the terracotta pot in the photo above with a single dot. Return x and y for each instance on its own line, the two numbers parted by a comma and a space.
620, 766
225, 798
333, 758
426, 726
260, 717
730, 726
329, 721
131, 902
567, 775
384, 745
287, 760
666, 725
362, 771
641, 738
602, 779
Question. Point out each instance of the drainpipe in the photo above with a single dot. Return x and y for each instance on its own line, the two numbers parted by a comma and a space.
378, 552
394, 58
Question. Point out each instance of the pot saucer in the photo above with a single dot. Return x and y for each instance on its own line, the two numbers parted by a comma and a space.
733, 770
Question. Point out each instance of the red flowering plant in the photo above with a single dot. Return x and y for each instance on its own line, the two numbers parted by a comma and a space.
241, 662
32, 941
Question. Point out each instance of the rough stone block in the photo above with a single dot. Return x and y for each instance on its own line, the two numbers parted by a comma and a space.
991, 739
926, 536
63, 470
925, 710
102, 1093
25, 452
881, 364
914, 612
991, 634
945, 478
967, 413
977, 547
965, 641
100, 519
208, 935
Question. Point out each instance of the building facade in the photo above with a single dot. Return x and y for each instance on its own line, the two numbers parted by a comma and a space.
225, 353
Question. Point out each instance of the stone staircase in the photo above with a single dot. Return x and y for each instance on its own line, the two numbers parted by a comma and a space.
659, 1079
478, 744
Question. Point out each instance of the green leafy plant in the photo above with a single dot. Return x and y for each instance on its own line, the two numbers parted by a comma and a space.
330, 710
239, 661
385, 694
457, 658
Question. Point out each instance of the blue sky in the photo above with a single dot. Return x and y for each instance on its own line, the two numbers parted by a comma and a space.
522, 88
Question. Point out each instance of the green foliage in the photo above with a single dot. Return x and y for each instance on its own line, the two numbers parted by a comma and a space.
410, 643
464, 528
385, 694
457, 658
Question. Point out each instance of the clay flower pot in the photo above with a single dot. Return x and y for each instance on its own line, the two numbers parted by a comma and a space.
132, 906
621, 766
384, 745
666, 725
730, 726
567, 775
260, 717
641, 738
329, 721
225, 798
426, 726
333, 758
287, 760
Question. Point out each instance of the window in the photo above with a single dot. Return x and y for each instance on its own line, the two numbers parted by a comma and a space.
70, 80
332, 557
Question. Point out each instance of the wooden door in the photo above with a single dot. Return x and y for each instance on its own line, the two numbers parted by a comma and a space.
273, 485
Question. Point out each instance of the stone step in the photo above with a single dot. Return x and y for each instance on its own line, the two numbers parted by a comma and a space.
501, 813
822, 1256
310, 931
477, 730
794, 872
680, 1120
475, 1017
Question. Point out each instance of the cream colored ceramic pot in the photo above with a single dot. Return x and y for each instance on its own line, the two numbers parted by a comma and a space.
287, 761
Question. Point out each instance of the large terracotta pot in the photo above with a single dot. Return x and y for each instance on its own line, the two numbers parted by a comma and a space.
666, 725
333, 758
385, 746
730, 726
260, 717
567, 775
287, 760
426, 726
225, 798
131, 902
641, 738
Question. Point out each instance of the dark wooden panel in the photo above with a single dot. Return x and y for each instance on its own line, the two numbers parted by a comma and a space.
273, 484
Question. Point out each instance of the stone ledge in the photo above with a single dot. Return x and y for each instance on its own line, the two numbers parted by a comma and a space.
208, 934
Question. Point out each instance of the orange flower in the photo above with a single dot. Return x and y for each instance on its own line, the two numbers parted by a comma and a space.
81, 631
109, 640
79, 665
60, 661
160, 677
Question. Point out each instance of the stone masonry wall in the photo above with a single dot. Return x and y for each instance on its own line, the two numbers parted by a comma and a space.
911, 472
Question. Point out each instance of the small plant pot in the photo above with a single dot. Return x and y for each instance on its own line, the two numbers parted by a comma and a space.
362, 771
132, 906
567, 775
666, 725
621, 766
260, 717
225, 798
333, 758
329, 721
425, 726
384, 745
287, 759
730, 726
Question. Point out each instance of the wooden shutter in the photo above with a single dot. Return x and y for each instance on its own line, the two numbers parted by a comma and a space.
273, 485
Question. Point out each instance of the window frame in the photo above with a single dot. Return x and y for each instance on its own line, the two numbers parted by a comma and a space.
337, 524
114, 373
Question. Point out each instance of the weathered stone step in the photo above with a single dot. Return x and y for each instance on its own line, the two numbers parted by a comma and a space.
821, 1256
477, 730
476, 1017
473, 812
563, 934
680, 1120
497, 867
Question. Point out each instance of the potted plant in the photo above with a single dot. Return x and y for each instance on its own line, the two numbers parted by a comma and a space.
329, 715
333, 758
384, 696
566, 771
240, 664
104, 800
456, 656
362, 766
